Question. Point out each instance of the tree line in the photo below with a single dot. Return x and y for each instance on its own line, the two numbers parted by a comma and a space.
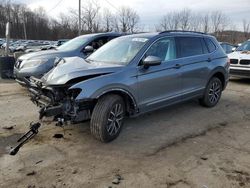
36, 24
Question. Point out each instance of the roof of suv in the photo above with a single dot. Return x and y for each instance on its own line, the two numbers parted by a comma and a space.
172, 32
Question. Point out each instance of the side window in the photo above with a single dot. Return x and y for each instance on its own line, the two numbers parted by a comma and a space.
97, 43
211, 46
163, 48
189, 46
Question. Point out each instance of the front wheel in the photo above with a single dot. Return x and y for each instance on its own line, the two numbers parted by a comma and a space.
212, 93
107, 118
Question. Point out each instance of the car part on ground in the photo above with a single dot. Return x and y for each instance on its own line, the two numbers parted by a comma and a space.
38, 63
132, 75
26, 137
240, 61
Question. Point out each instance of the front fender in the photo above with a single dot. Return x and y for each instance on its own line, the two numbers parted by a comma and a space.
125, 81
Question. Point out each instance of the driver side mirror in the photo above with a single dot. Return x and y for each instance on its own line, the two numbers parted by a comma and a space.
88, 49
151, 61
233, 49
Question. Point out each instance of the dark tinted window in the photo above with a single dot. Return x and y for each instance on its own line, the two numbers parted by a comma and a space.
211, 46
189, 46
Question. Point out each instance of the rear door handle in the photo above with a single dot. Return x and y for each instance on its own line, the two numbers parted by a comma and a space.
177, 66
209, 59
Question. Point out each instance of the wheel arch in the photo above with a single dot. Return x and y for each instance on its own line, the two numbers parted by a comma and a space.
130, 102
221, 74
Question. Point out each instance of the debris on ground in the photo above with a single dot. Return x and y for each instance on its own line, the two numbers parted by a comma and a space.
31, 173
117, 179
8, 127
58, 135
39, 161
204, 158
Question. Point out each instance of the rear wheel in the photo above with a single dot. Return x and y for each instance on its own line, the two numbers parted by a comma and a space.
107, 118
212, 93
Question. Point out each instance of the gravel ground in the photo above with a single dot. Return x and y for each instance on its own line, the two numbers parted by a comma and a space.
184, 146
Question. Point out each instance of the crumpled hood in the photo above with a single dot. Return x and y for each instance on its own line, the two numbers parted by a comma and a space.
46, 54
239, 55
76, 67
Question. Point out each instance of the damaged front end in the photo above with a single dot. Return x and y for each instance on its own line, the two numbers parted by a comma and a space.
54, 92
59, 102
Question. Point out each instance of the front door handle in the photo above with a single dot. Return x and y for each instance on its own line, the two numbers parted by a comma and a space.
177, 66
209, 59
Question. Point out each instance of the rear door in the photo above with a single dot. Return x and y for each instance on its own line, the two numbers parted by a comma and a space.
159, 85
194, 64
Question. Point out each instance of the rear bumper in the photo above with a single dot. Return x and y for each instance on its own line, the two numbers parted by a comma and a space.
241, 72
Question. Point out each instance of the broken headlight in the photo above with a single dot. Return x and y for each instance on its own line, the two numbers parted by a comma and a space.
73, 93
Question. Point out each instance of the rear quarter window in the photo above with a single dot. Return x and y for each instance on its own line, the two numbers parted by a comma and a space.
210, 45
189, 46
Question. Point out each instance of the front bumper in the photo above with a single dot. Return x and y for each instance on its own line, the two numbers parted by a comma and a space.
241, 72
66, 108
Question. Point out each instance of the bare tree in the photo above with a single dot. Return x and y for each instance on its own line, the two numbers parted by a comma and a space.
246, 28
169, 21
128, 19
107, 20
90, 14
184, 19
205, 23
219, 22
195, 22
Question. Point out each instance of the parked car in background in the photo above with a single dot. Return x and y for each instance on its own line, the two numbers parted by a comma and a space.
61, 42
38, 63
227, 47
240, 61
132, 75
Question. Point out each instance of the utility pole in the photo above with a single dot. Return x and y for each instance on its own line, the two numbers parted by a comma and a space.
24, 27
7, 34
79, 21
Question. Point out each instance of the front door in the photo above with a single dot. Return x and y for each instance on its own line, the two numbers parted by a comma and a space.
159, 85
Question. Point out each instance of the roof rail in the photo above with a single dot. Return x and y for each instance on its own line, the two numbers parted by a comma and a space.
184, 31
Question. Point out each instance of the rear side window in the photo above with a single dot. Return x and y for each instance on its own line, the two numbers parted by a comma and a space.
211, 46
189, 46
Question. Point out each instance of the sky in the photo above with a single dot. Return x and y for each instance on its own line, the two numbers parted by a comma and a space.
150, 11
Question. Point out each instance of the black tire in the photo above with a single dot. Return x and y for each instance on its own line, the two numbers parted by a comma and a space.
213, 93
104, 125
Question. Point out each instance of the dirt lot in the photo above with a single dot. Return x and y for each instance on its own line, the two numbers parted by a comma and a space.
183, 146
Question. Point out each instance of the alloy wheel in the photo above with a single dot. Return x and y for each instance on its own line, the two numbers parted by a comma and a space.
115, 119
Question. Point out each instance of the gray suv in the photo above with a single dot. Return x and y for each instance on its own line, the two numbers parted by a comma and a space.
132, 75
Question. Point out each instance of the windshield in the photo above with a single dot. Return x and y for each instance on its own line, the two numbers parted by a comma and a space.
244, 47
118, 51
73, 44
